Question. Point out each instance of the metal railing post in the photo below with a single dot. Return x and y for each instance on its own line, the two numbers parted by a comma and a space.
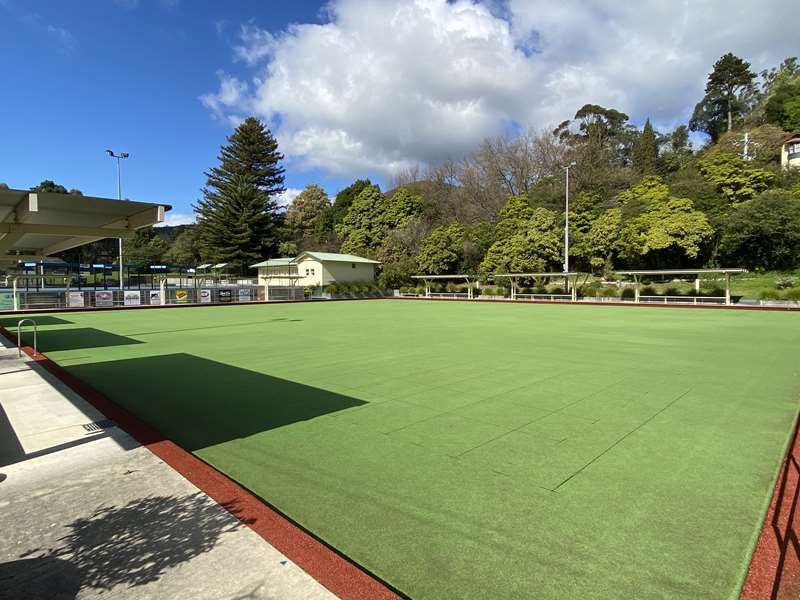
19, 336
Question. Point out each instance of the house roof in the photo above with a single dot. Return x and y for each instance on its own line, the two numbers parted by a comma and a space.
790, 136
274, 262
332, 257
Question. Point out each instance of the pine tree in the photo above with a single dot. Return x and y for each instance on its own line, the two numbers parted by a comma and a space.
238, 225
645, 151
237, 216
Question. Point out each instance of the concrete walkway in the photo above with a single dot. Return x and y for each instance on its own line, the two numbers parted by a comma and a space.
85, 512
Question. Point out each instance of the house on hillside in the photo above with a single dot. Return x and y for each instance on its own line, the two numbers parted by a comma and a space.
790, 151
315, 269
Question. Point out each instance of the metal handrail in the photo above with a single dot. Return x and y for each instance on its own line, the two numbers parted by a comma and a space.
19, 336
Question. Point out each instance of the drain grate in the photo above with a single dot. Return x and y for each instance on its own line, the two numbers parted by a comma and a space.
99, 425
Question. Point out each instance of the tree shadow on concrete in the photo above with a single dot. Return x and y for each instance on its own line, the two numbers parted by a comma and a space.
134, 544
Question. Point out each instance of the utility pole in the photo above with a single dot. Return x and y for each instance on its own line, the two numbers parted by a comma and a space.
119, 158
566, 225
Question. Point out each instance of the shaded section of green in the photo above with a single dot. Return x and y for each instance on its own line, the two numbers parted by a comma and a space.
466, 450
200, 403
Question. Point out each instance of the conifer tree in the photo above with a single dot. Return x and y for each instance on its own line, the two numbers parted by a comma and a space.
645, 151
236, 219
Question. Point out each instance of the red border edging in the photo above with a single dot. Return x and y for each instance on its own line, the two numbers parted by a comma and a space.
774, 570
341, 576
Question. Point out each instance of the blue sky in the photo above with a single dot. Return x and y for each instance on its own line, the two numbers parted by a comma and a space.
88, 75
351, 88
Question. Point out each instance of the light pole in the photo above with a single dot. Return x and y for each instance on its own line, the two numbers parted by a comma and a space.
566, 225
119, 157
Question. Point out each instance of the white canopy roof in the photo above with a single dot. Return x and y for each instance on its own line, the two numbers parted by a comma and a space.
35, 225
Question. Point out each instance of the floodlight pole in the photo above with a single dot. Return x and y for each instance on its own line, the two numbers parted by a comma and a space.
119, 157
566, 225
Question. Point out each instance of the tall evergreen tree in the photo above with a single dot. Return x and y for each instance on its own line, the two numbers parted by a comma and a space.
238, 225
728, 89
237, 217
645, 151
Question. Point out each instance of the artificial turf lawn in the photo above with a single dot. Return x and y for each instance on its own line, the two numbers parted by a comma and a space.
468, 450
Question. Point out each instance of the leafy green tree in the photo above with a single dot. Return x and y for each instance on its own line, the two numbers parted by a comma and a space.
527, 240
287, 248
645, 151
145, 247
184, 249
734, 178
48, 186
373, 215
304, 213
442, 250
603, 238
237, 225
764, 232
728, 89
659, 228
243, 186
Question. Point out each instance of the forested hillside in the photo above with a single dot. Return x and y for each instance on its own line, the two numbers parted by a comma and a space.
638, 197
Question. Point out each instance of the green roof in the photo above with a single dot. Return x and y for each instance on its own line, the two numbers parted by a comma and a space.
333, 257
274, 262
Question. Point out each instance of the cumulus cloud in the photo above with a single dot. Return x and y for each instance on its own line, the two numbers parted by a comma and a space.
289, 194
172, 218
385, 85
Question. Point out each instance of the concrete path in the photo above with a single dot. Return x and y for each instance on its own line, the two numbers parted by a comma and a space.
85, 512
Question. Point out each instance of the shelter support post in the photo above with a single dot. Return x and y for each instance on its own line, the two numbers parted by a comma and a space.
513, 288
697, 285
427, 289
574, 290
469, 289
162, 286
727, 288
636, 289
266, 292
14, 291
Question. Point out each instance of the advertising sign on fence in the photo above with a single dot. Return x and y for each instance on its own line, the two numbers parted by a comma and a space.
244, 294
155, 297
104, 298
182, 296
205, 296
133, 298
75, 300
225, 296
6, 300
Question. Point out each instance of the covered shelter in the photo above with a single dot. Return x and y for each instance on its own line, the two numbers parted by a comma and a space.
514, 277
696, 272
470, 279
36, 225
279, 276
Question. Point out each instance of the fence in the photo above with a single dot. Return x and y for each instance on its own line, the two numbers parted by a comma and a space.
65, 298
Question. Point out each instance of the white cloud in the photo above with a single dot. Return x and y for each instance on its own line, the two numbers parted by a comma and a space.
384, 85
289, 194
171, 219
65, 40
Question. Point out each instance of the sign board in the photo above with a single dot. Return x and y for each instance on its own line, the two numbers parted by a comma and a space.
133, 298
244, 294
181, 296
225, 296
6, 300
205, 296
104, 298
75, 300
155, 297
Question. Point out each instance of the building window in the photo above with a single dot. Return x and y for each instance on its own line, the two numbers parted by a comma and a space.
306, 272
794, 149
312, 271
353, 265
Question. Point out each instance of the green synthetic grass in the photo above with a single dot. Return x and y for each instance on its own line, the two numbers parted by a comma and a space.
467, 450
